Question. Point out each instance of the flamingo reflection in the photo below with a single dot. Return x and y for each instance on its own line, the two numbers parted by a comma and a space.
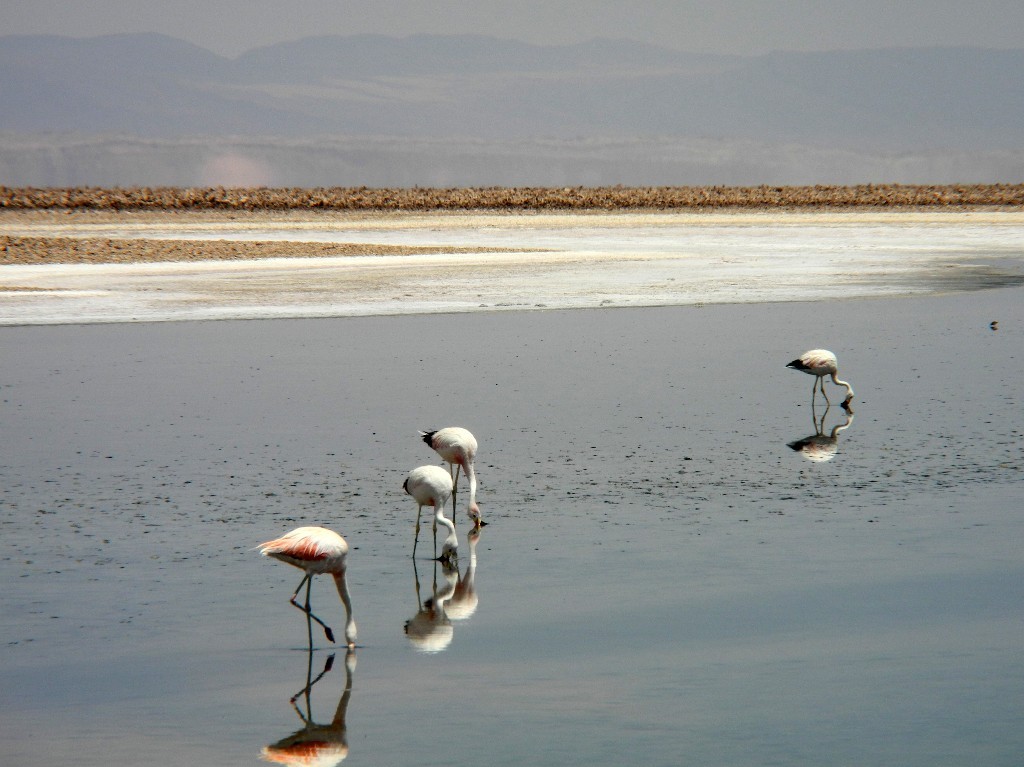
464, 601
316, 744
821, 447
430, 629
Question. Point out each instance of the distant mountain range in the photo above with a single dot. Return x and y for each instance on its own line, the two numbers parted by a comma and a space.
67, 103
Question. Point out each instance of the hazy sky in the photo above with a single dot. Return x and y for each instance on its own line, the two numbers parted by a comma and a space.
230, 27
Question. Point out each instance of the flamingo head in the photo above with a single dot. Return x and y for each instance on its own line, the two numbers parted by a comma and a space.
474, 514
846, 404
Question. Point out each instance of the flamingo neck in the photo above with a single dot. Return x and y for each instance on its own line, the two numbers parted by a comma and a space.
350, 623
474, 510
837, 382
451, 543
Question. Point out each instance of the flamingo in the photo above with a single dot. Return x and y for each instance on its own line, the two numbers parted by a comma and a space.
432, 486
316, 550
820, 363
457, 446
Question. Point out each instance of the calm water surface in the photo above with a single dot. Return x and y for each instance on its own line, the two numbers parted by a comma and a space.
663, 581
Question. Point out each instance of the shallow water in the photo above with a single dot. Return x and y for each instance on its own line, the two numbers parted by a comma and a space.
663, 580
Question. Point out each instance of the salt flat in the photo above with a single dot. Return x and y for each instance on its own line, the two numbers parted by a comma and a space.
565, 261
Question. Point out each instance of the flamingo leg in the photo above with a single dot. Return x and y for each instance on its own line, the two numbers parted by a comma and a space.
455, 492
823, 394
308, 581
416, 542
309, 638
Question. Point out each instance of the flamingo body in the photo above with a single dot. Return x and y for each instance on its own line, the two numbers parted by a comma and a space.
821, 363
317, 551
457, 446
432, 486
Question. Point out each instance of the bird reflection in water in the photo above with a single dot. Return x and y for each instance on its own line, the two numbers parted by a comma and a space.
430, 629
464, 601
821, 447
453, 598
316, 744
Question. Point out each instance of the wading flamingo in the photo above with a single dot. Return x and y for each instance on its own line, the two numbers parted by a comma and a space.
820, 363
458, 447
432, 486
316, 550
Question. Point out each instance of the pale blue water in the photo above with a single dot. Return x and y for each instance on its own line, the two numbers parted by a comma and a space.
663, 580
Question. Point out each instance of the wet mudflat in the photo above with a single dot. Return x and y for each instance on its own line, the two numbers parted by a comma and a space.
663, 580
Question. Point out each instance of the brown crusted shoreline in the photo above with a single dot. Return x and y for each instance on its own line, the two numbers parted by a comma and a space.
103, 250
511, 199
